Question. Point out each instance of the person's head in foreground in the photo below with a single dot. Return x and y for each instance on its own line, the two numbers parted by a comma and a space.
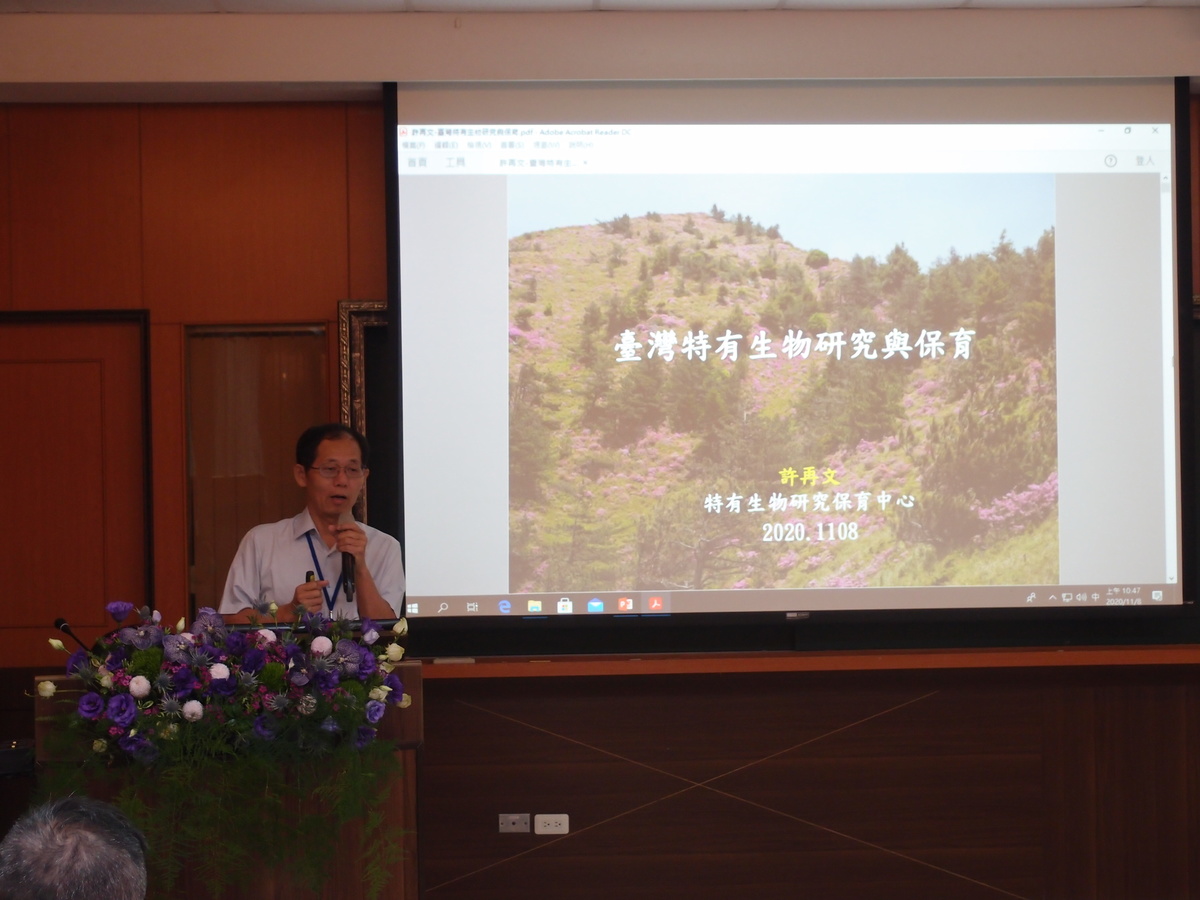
73, 848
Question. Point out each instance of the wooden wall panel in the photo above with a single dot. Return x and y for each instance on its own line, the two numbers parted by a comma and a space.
170, 471
76, 390
76, 207
367, 225
245, 212
1056, 784
5, 216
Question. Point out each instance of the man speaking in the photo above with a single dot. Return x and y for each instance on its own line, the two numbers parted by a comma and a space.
321, 560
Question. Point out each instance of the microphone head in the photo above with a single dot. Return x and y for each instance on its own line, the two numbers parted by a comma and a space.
61, 624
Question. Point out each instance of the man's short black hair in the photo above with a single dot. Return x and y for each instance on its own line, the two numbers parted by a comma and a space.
73, 847
306, 446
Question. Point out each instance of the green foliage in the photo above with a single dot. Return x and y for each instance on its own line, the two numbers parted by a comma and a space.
817, 259
621, 225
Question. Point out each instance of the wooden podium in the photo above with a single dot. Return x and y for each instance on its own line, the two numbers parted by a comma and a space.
404, 727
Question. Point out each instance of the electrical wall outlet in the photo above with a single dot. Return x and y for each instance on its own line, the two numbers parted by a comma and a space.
551, 823
514, 822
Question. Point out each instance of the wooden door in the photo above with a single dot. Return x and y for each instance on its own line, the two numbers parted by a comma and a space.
73, 398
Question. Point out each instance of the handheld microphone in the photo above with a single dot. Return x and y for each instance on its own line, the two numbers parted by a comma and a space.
61, 624
347, 518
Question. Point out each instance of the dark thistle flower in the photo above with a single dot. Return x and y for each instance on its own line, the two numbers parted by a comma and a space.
315, 623
277, 702
79, 663
200, 656
119, 610
171, 706
163, 682
375, 711
262, 606
364, 736
121, 710
91, 705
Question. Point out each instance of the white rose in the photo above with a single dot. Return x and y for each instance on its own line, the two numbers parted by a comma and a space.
46, 689
57, 644
105, 678
380, 693
139, 686
405, 701
180, 625
218, 671
395, 653
99, 745
266, 636
322, 646
401, 627
273, 608
193, 710
386, 667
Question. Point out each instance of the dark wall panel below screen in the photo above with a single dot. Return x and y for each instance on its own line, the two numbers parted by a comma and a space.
1017, 784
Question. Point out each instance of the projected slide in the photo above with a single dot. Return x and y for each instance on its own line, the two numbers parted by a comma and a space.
661, 369
818, 381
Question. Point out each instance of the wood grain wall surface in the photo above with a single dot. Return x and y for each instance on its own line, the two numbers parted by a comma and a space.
952, 784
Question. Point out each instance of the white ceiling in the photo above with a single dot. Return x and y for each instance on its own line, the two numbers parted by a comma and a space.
377, 6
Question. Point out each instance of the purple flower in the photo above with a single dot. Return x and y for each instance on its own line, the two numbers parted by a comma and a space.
138, 747
235, 643
176, 647
142, 636
209, 626
364, 736
346, 657
119, 610
184, 681
375, 711
91, 705
367, 665
330, 726
393, 681
77, 663
121, 710
225, 687
264, 728
254, 660
327, 679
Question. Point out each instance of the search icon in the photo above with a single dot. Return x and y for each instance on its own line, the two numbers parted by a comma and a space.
443, 607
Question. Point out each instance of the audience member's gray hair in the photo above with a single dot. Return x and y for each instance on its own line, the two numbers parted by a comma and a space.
73, 848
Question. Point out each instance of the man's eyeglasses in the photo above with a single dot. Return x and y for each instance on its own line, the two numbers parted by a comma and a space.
353, 473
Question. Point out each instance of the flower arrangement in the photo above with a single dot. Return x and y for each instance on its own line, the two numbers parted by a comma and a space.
233, 741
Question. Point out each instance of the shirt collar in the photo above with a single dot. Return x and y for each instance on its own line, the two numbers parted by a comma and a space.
302, 524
